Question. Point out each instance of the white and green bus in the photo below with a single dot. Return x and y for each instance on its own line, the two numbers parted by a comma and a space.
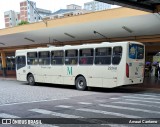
105, 65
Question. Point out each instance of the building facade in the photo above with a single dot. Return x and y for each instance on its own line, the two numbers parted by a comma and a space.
11, 18
71, 10
28, 12
73, 6
43, 12
65, 13
96, 6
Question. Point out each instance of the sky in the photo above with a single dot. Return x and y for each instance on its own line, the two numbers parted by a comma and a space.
53, 5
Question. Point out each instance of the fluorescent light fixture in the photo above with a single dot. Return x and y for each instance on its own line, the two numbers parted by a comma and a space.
55, 40
2, 43
69, 35
95, 32
29, 39
127, 29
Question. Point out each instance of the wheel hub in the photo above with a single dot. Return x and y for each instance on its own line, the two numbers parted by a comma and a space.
81, 83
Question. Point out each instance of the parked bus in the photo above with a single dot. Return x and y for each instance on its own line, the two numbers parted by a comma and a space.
105, 65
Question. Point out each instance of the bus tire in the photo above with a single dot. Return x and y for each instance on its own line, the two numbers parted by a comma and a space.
31, 80
81, 83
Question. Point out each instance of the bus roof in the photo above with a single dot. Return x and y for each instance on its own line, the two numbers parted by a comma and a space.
79, 46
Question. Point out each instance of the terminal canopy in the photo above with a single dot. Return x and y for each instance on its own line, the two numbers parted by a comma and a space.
145, 5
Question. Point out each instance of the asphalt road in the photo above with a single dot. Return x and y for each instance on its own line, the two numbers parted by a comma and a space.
63, 106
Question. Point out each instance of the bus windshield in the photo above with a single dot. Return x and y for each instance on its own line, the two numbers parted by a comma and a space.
136, 51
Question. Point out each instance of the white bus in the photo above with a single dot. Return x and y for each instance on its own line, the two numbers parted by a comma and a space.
105, 65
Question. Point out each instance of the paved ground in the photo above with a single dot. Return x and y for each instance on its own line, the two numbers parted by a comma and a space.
19, 100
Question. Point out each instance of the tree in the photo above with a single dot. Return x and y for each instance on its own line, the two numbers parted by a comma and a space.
23, 23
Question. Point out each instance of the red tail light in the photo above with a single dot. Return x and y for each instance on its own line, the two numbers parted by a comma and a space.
127, 70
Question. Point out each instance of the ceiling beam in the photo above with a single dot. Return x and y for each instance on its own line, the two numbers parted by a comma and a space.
153, 48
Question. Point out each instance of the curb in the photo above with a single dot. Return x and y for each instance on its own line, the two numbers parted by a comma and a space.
8, 79
140, 88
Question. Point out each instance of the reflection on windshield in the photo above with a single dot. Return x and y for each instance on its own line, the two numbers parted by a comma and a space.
136, 51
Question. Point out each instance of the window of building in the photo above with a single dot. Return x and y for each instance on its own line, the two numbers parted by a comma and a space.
86, 56
21, 61
117, 54
10, 19
32, 58
103, 56
44, 58
71, 57
21, 4
10, 63
57, 57
35, 17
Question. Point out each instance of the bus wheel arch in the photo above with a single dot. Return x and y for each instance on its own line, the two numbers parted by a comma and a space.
80, 82
30, 79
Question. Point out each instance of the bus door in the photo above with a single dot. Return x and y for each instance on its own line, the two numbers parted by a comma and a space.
57, 63
44, 66
136, 61
21, 67
54, 74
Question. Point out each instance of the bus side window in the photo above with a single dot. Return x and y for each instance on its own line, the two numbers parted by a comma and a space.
20, 61
117, 54
32, 58
57, 57
71, 57
103, 56
44, 58
86, 56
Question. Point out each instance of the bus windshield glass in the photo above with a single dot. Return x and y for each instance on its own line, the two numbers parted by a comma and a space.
136, 51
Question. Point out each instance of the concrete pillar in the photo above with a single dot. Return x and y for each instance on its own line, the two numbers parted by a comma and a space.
3, 57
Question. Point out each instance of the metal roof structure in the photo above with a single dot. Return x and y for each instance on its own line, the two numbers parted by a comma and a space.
145, 5
60, 11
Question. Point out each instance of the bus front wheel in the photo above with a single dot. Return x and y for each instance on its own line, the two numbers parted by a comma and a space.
31, 80
81, 83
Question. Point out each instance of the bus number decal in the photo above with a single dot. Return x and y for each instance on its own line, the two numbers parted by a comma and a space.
112, 68
69, 70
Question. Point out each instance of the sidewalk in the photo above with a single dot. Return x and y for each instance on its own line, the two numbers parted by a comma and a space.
150, 83
8, 78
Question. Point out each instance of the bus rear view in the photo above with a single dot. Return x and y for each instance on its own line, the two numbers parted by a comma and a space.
135, 63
